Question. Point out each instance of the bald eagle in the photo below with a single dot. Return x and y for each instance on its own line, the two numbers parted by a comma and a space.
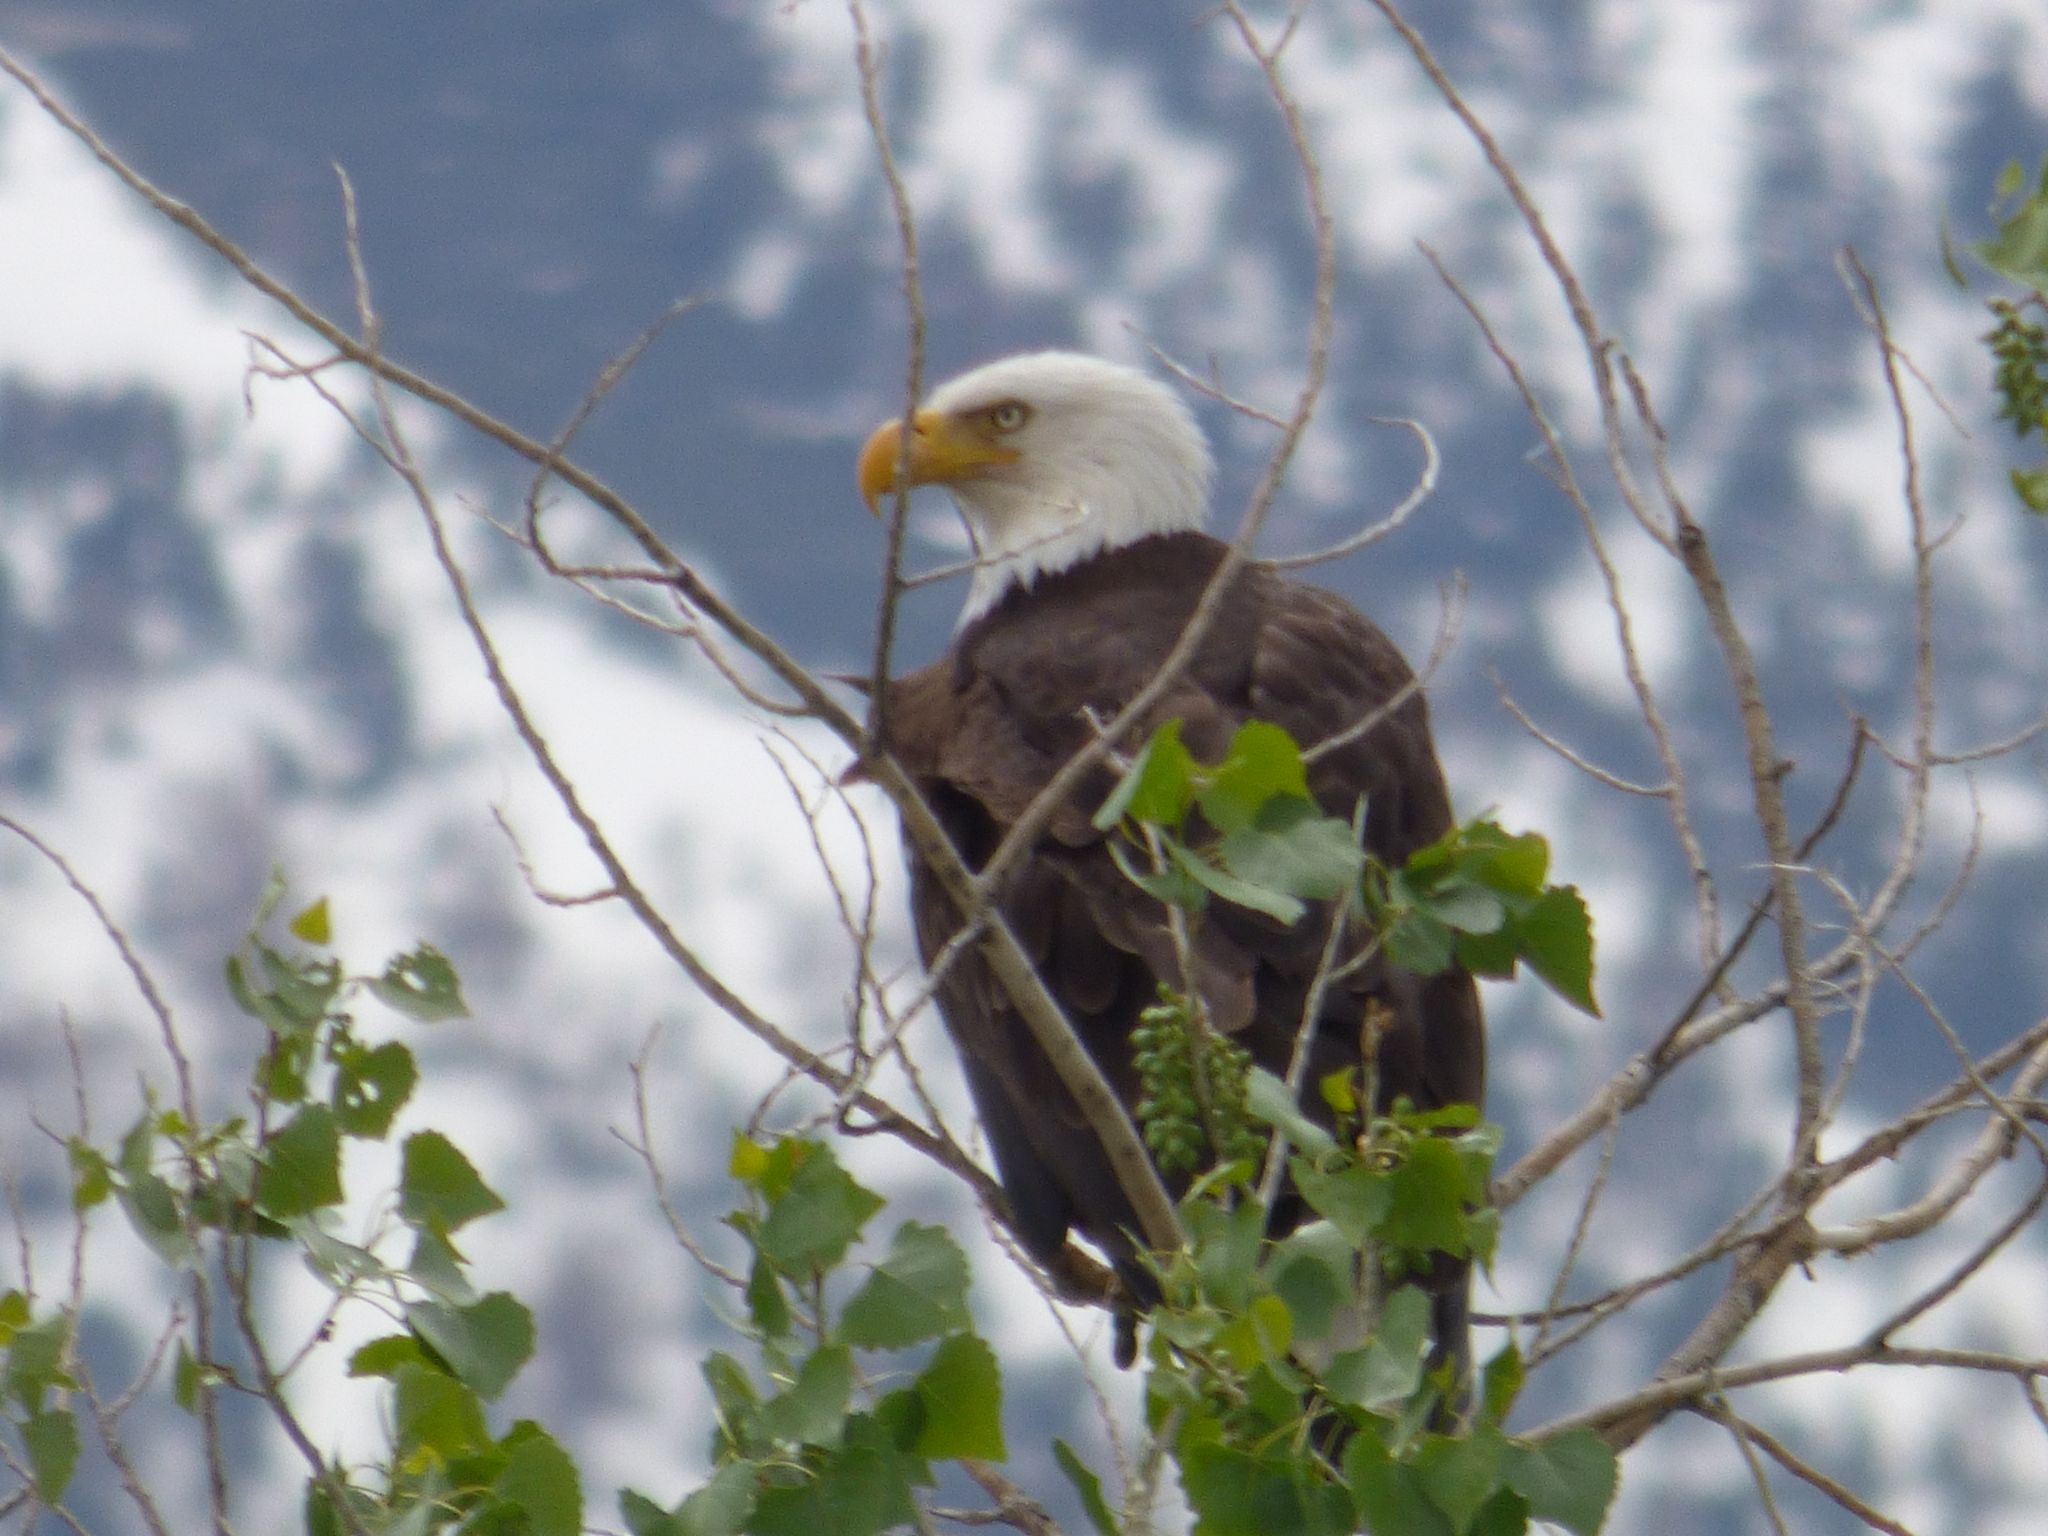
1084, 486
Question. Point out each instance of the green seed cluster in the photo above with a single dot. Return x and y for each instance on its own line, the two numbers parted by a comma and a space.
1175, 1079
2020, 348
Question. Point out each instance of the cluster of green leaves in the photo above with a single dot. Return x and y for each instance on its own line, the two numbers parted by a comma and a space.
33, 1384
1365, 1437
806, 1445
1283, 1407
1192, 1086
200, 1195
1261, 841
1478, 896
2018, 338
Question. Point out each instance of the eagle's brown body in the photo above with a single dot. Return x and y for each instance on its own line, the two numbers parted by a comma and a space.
984, 728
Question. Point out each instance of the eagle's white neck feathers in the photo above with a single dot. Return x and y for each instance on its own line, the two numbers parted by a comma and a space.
1107, 456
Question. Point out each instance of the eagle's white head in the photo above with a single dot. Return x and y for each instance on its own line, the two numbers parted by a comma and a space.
1053, 457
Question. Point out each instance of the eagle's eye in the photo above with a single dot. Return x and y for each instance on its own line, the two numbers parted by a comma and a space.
1009, 416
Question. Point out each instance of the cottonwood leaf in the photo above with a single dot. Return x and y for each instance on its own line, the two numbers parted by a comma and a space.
961, 1391
539, 1482
1157, 788
1267, 1099
433, 1412
1556, 934
422, 985
1460, 1473
918, 1291
1292, 847
1569, 1478
484, 1343
817, 1217
1088, 1487
813, 1410
301, 1165
1234, 888
438, 1187
1263, 764
313, 925
51, 1439
371, 1085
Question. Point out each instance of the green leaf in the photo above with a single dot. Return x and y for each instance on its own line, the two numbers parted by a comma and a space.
1233, 888
749, 1160
1568, 1478
917, 1292
1294, 848
1157, 788
152, 1210
862, 1491
719, 1508
1556, 935
2020, 249
51, 1439
766, 1304
422, 985
437, 1185
1386, 1371
1267, 1100
817, 1217
1235, 1493
1226, 1245
301, 991
1512, 863
435, 1413
384, 1357
280, 1074
365, 1512
301, 1164
1088, 1487
732, 1393
1460, 1473
14, 1315
437, 1266
1354, 1199
2012, 176
92, 1176
312, 925
813, 1410
644, 1517
1419, 942
484, 1343
1467, 908
1314, 1269
1389, 1494
1505, 1514
539, 1482
186, 1379
962, 1394
371, 1086
1263, 765
35, 1359
1493, 954
2031, 486
1172, 885
1427, 1192
138, 1145
1501, 1384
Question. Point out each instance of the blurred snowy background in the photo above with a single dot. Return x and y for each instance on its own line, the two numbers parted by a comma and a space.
224, 646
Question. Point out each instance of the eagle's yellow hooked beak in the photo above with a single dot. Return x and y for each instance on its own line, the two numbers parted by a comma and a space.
943, 449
